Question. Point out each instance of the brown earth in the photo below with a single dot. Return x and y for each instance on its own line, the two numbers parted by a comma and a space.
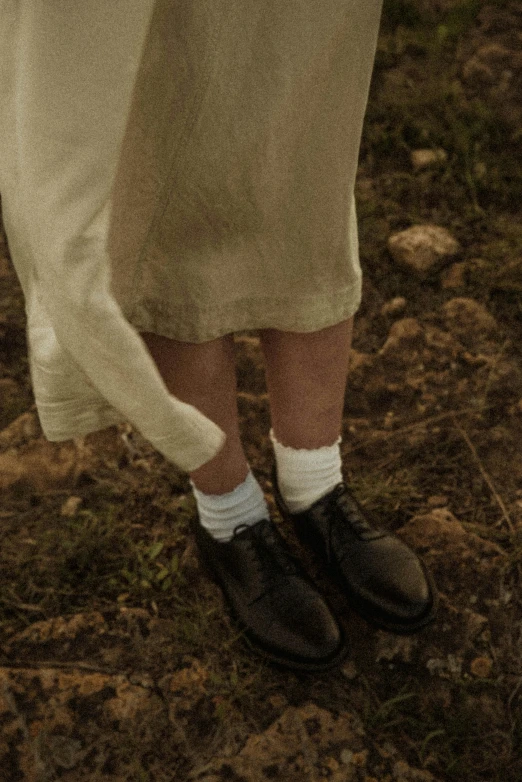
117, 661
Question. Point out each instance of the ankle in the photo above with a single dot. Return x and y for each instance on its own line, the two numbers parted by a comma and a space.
222, 474
306, 475
220, 514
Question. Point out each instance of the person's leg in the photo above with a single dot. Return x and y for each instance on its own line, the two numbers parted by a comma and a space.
236, 537
204, 375
306, 378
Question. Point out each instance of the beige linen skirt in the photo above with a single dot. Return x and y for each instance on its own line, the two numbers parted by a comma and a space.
233, 203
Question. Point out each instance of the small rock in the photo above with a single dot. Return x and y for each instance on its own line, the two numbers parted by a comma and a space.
360, 758
185, 686
437, 501
359, 361
331, 764
40, 465
129, 702
440, 529
70, 506
405, 330
349, 671
424, 158
403, 336
346, 756
481, 667
466, 316
450, 667
455, 276
422, 247
394, 306
391, 647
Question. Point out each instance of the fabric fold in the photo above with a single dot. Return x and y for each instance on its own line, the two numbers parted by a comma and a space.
66, 81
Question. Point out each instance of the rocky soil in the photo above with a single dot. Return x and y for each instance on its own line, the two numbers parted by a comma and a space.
117, 661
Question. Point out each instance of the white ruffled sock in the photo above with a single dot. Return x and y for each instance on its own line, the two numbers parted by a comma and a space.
220, 514
305, 475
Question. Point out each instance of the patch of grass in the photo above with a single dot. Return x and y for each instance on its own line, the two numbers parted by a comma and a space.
425, 104
476, 744
500, 263
236, 690
388, 497
472, 739
458, 20
70, 563
92, 559
147, 571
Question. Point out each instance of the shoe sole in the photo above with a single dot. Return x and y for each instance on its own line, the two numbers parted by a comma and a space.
394, 627
253, 643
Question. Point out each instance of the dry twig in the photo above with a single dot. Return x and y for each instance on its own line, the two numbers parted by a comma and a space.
485, 475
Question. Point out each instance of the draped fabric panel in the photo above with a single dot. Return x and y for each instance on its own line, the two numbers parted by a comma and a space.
67, 72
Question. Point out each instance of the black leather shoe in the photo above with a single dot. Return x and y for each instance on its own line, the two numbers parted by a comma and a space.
272, 598
381, 576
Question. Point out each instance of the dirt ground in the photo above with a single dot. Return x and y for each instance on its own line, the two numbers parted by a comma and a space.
117, 660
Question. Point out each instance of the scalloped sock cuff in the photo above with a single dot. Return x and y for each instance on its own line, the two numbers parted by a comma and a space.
305, 475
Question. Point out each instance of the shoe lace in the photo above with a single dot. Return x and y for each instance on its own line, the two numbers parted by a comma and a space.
352, 513
270, 553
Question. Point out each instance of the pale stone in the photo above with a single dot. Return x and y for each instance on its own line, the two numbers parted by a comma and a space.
403, 336
70, 506
424, 158
437, 501
41, 465
394, 306
467, 316
439, 529
422, 247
